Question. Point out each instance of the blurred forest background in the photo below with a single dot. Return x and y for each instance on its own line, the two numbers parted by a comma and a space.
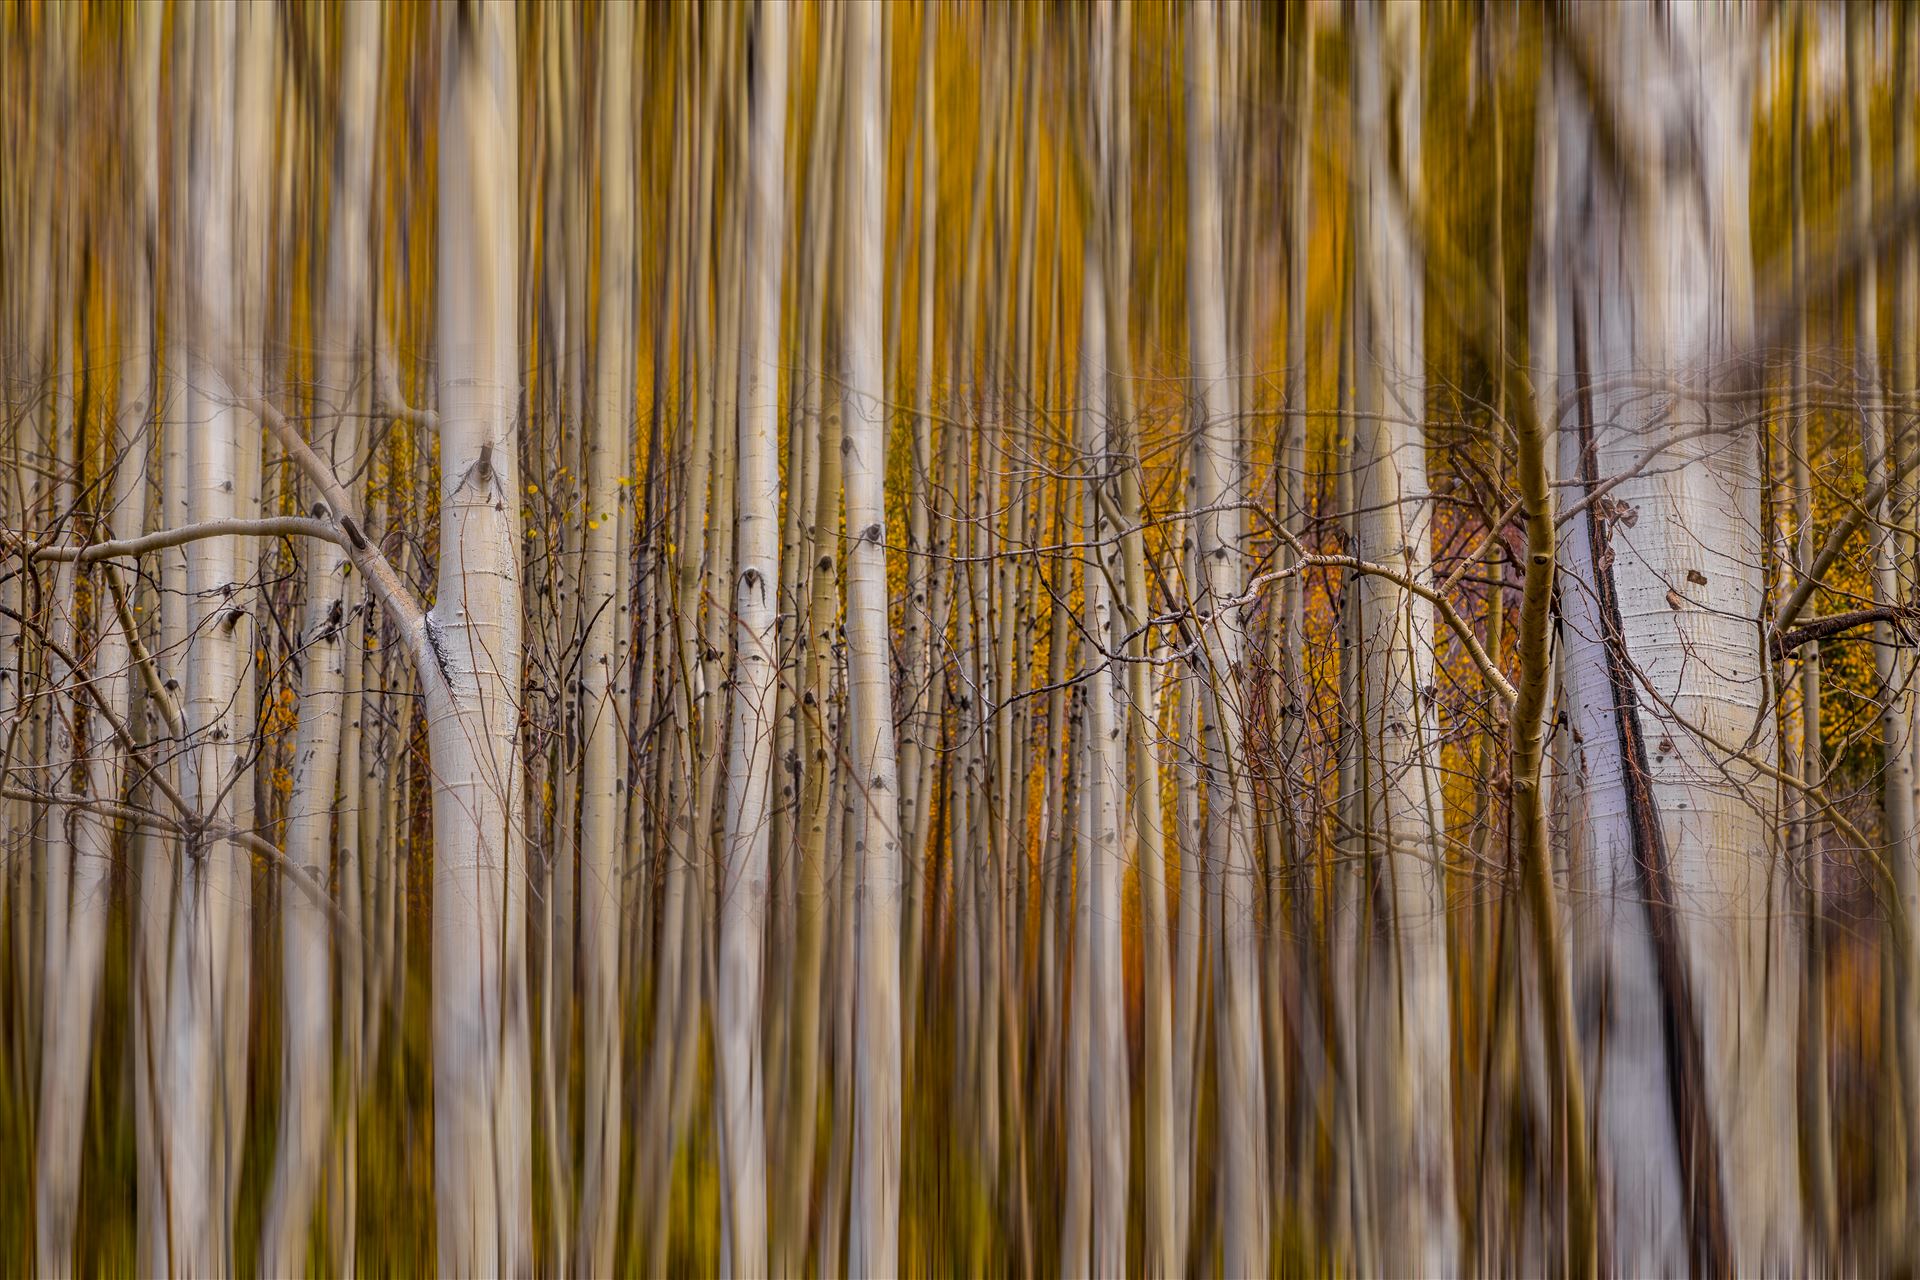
958, 639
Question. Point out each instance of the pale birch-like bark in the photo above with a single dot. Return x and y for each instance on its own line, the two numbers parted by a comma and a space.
1407, 1076
743, 901
1166, 1244
603, 588
75, 843
306, 944
1097, 995
1538, 685
194, 1118
1219, 482
1076, 1227
874, 1236
1815, 1111
816, 817
258, 111
814, 507
1904, 380
130, 447
482, 1144
683, 899
554, 616
159, 875
1692, 1066
922, 723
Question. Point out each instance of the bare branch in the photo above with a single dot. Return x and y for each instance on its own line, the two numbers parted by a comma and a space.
127, 548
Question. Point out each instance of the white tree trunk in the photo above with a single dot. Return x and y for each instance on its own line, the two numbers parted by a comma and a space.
482, 1144
1693, 1066
604, 605
743, 899
78, 844
306, 929
1219, 480
1407, 1073
1097, 993
194, 1117
875, 1232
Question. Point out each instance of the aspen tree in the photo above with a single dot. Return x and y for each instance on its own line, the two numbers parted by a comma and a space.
1219, 488
603, 601
743, 902
480, 1033
1893, 666
138, 428
306, 947
874, 1236
921, 724
76, 843
195, 1113
821, 614
676, 1012
1166, 1244
1097, 976
1904, 382
1806, 716
1408, 1092
1691, 1080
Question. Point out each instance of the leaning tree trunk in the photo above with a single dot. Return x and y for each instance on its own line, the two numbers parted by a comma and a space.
1692, 1072
482, 1145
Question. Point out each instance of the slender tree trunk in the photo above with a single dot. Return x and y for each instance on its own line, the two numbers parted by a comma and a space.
603, 602
195, 1113
1165, 1244
1406, 1017
306, 942
482, 1145
1903, 380
77, 843
1220, 484
756, 593
1097, 982
815, 815
66, 1068
922, 723
1815, 1118
874, 1243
